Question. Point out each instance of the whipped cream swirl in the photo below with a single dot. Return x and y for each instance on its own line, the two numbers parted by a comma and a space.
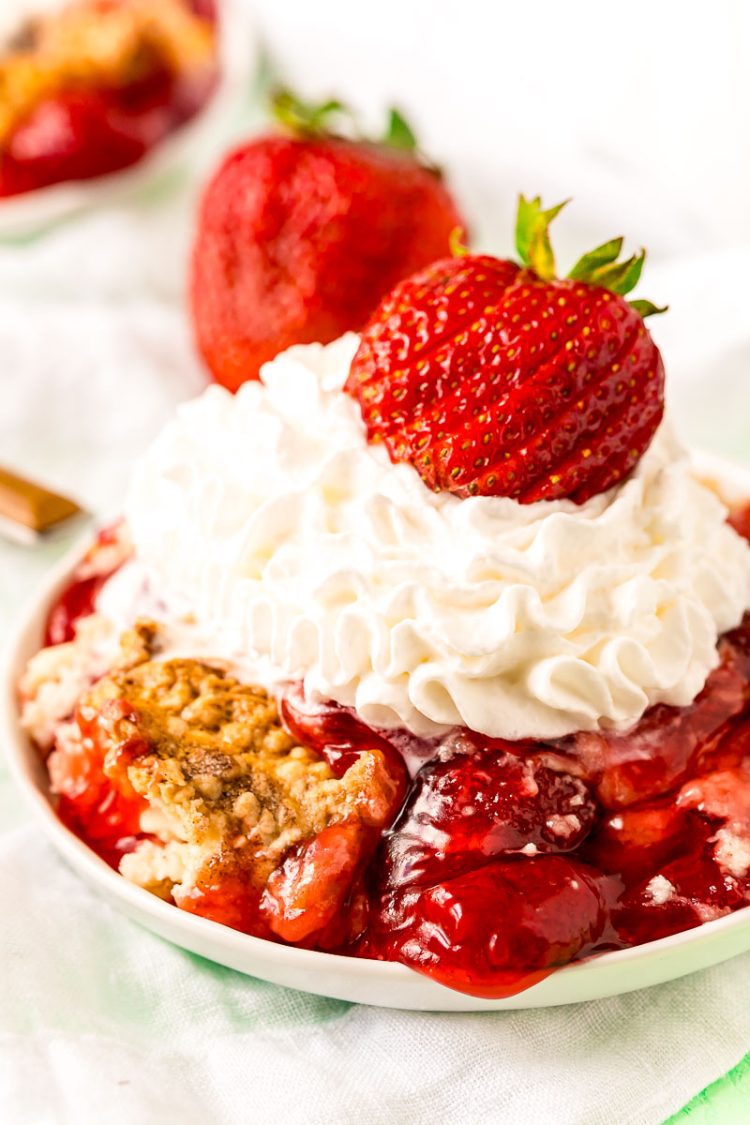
294, 540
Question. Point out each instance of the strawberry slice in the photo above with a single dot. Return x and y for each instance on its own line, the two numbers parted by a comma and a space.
497, 929
316, 896
498, 379
483, 802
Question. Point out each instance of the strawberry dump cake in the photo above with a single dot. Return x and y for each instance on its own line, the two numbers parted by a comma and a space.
90, 89
428, 647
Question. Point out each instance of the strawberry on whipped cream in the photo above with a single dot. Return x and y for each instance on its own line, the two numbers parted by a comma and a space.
296, 542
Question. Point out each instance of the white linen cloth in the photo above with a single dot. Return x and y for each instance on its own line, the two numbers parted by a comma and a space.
100, 1021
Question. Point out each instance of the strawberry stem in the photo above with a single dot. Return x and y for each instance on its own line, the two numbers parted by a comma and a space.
647, 308
310, 119
603, 255
399, 133
532, 235
599, 267
333, 118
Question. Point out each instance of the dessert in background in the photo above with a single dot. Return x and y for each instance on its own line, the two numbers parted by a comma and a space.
428, 646
92, 88
302, 231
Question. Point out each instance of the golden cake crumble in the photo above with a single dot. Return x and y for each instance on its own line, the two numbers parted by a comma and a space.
224, 780
217, 760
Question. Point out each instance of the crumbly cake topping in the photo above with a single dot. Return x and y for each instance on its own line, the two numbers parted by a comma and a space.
213, 757
139, 644
99, 43
56, 676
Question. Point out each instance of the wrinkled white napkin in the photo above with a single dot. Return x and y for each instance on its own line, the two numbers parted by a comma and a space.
102, 1022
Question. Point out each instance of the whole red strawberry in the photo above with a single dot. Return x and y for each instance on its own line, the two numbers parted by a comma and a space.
494, 378
300, 235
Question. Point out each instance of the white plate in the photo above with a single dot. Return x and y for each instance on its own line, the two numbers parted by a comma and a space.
32, 213
345, 978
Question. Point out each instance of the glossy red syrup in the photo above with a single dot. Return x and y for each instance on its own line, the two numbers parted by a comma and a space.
499, 861
98, 806
103, 810
107, 554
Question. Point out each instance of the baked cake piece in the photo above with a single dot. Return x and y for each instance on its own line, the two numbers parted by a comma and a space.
231, 801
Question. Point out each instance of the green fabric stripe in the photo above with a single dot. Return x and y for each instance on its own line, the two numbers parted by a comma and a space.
724, 1102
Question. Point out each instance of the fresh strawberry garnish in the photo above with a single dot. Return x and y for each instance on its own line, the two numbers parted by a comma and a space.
495, 378
301, 234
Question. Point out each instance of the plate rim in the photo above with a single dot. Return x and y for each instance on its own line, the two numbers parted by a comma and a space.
26, 216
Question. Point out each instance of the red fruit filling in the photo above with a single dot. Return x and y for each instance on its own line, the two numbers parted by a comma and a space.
318, 891
480, 802
95, 799
224, 893
669, 743
109, 551
507, 859
497, 928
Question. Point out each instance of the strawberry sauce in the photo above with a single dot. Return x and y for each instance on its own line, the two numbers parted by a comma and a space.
503, 860
106, 555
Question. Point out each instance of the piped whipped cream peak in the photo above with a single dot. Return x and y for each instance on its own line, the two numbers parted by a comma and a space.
293, 539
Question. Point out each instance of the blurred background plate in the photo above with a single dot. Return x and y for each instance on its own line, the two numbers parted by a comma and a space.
193, 146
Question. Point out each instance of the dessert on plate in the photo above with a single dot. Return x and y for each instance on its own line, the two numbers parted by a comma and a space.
428, 647
92, 88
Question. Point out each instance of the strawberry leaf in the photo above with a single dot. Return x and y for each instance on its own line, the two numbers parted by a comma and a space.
619, 277
602, 256
600, 267
532, 235
399, 133
647, 308
332, 118
311, 119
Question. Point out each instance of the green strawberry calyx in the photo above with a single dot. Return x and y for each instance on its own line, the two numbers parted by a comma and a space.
600, 266
333, 118
311, 119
